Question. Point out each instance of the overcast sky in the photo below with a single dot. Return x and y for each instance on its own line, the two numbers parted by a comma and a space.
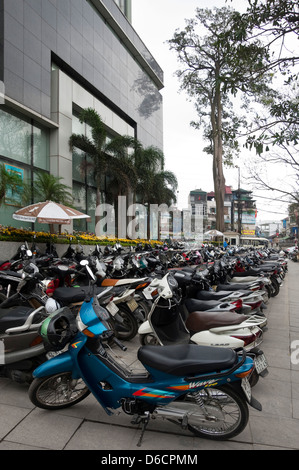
155, 22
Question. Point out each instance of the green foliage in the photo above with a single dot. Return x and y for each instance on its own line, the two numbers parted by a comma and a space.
9, 181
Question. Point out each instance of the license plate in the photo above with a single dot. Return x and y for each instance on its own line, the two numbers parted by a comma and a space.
246, 388
112, 308
132, 304
260, 363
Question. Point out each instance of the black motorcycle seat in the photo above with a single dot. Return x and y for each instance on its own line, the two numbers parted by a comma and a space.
232, 286
186, 359
195, 305
74, 294
212, 295
13, 316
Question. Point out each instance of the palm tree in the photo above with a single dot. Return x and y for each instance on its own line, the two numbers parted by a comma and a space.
48, 187
9, 181
110, 161
122, 166
121, 173
155, 185
94, 147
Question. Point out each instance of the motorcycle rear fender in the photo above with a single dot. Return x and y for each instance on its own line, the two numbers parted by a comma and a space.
253, 401
207, 338
145, 328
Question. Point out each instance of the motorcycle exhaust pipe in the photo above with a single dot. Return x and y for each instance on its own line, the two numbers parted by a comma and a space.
182, 416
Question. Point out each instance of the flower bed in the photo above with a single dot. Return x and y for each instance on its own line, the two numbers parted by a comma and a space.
13, 234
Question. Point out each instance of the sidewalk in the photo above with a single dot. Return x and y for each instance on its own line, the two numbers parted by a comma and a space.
87, 427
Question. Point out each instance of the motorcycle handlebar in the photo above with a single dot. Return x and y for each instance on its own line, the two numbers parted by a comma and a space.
119, 344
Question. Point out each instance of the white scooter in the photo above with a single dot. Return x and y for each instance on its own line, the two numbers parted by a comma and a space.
165, 325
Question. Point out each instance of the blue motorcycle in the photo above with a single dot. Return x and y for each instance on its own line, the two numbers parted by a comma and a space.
203, 389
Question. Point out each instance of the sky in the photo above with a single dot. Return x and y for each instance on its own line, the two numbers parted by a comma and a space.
155, 21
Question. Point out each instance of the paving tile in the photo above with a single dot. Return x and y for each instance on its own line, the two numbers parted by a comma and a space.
48, 430
11, 416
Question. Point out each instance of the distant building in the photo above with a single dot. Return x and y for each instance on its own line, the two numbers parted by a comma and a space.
243, 212
239, 210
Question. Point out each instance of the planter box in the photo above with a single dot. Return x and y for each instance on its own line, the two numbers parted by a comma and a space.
9, 249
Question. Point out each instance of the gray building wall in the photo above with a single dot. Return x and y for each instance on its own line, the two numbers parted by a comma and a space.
57, 56
92, 41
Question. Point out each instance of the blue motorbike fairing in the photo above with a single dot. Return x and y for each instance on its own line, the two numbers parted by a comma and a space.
63, 362
89, 317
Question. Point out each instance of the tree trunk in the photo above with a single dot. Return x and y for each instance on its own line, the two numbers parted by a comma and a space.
218, 175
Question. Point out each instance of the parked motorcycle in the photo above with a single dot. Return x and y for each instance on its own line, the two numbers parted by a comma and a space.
21, 346
202, 389
168, 324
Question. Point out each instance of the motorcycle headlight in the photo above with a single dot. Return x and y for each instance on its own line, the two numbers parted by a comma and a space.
81, 326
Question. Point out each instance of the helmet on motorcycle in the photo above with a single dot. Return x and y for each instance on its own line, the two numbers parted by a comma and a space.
58, 329
51, 305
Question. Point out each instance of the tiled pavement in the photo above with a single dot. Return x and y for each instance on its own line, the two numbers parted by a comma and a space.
87, 427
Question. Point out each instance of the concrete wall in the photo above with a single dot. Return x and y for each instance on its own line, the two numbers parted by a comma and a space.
9, 249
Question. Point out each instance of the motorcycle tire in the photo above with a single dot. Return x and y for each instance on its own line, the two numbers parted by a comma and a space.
127, 329
57, 391
148, 339
275, 287
228, 411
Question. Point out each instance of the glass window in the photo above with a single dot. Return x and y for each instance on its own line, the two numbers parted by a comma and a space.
79, 194
41, 148
15, 137
77, 126
91, 204
78, 166
12, 202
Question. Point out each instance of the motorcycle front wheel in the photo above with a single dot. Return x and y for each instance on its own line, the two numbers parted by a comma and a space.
215, 413
127, 328
57, 391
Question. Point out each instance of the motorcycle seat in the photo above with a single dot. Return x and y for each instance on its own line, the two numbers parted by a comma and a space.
201, 321
122, 282
195, 305
233, 286
186, 359
68, 295
13, 316
212, 295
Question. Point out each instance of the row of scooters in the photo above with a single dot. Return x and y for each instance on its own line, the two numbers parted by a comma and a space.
215, 304
61, 318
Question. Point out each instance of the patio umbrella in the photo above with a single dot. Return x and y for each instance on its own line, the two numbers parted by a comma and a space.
49, 212
214, 233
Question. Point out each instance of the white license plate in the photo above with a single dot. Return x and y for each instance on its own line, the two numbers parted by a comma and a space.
132, 304
246, 388
112, 308
260, 363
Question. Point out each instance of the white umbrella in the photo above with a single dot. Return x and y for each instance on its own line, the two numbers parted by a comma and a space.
49, 212
214, 233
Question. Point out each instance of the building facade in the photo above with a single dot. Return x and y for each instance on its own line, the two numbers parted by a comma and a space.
239, 210
58, 57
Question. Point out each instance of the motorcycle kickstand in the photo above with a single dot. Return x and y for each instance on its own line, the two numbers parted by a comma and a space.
144, 420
